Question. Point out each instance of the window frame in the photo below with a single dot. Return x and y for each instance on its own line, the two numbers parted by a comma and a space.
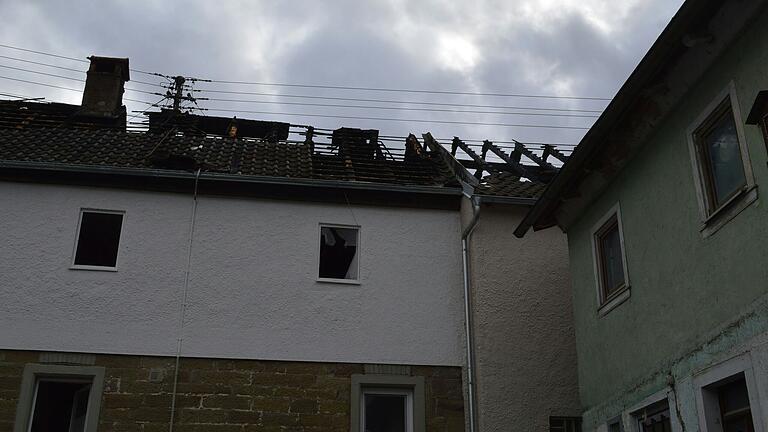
713, 217
114, 268
394, 383
576, 423
355, 281
396, 391
618, 420
610, 302
706, 383
33, 372
632, 414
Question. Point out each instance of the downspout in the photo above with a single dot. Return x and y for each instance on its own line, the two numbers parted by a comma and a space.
465, 237
183, 310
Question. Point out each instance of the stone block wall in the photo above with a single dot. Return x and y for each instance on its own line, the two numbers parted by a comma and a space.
219, 395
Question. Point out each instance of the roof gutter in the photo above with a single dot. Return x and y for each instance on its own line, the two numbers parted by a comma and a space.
216, 177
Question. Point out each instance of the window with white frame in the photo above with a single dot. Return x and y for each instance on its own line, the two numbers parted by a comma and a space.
720, 159
387, 403
610, 259
59, 398
98, 239
386, 410
654, 418
723, 174
727, 399
339, 253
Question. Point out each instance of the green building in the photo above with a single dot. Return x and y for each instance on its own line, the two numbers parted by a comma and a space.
664, 206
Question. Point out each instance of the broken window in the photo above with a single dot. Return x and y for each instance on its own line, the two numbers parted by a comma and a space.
98, 239
655, 418
720, 158
565, 424
339, 253
387, 410
60, 405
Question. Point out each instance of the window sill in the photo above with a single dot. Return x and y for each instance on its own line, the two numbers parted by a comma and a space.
93, 268
613, 302
339, 281
728, 211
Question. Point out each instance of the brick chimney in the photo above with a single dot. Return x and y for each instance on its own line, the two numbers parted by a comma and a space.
104, 87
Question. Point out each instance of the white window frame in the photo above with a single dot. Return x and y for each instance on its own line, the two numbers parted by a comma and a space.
74, 266
355, 281
605, 305
32, 375
712, 219
407, 392
707, 401
631, 417
412, 386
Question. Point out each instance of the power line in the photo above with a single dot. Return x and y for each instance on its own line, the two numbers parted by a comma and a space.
66, 57
402, 120
66, 88
388, 101
395, 90
337, 87
417, 109
67, 69
318, 97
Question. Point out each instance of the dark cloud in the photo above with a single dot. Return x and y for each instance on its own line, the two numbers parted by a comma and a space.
564, 47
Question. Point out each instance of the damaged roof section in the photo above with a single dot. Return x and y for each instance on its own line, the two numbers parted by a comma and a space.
50, 133
520, 173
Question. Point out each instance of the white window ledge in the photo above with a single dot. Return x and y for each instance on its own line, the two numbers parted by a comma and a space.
613, 302
339, 281
729, 210
93, 268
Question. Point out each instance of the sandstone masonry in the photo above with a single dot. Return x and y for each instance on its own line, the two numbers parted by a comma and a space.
219, 395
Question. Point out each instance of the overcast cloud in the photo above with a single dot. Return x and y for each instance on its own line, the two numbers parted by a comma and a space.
542, 47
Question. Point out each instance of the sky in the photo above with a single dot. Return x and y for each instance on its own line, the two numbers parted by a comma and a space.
553, 48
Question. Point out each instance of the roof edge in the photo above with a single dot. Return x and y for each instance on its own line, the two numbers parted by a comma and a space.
666, 43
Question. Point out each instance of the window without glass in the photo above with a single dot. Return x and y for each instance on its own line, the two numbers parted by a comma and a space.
565, 424
610, 258
654, 418
98, 239
720, 158
60, 405
339, 252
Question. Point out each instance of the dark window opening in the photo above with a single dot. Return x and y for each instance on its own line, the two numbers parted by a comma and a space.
338, 253
60, 406
386, 412
98, 239
615, 425
565, 424
720, 156
655, 418
735, 411
610, 258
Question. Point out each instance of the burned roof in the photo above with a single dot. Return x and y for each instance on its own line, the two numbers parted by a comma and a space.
43, 133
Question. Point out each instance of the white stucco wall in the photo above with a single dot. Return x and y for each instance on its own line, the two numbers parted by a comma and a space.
523, 323
252, 290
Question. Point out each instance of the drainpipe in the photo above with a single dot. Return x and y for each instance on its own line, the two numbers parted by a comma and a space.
183, 310
465, 237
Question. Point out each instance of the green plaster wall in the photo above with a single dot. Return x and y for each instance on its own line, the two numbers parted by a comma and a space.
683, 287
